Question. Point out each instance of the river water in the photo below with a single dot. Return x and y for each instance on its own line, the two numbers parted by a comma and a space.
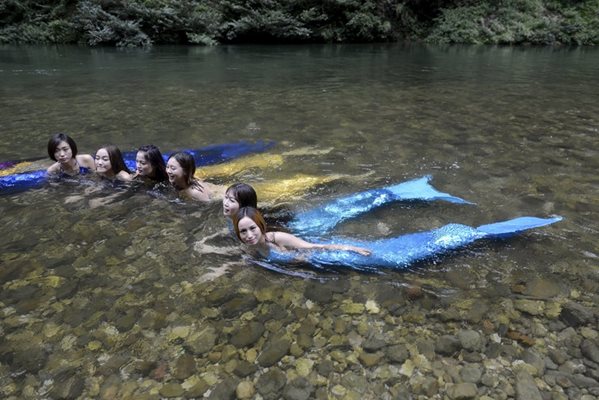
114, 293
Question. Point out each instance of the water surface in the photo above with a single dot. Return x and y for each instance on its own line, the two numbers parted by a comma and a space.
90, 272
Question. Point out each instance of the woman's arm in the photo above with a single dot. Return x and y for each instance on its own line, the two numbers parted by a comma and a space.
359, 250
54, 168
293, 242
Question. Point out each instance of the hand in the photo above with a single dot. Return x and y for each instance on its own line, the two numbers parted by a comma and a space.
359, 250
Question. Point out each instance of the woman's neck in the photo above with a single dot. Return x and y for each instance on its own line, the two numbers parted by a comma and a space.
181, 185
70, 165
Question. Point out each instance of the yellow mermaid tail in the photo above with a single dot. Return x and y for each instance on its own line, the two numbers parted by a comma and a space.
262, 161
273, 190
277, 190
17, 168
256, 161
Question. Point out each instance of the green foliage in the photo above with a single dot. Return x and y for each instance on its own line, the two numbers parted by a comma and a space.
518, 22
102, 27
126, 23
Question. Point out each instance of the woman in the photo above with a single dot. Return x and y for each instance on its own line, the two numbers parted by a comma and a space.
180, 169
250, 228
110, 164
150, 165
237, 196
63, 149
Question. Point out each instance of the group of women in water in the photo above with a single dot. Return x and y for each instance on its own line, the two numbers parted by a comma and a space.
240, 200
150, 166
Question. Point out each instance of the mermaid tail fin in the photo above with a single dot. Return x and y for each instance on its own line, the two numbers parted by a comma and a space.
421, 189
516, 225
401, 251
324, 218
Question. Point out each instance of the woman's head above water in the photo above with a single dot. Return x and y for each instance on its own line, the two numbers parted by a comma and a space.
109, 161
61, 147
249, 225
180, 169
237, 196
149, 163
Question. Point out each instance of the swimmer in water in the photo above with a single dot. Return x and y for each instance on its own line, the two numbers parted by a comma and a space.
110, 164
150, 165
237, 196
250, 228
180, 169
63, 150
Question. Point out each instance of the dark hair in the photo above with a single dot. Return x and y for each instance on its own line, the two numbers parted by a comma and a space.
154, 157
244, 194
116, 159
55, 141
188, 165
253, 214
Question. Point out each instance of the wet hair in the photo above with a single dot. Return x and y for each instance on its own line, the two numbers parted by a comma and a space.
154, 157
253, 214
116, 158
244, 194
55, 141
188, 165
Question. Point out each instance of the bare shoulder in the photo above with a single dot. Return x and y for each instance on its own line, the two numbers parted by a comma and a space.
124, 176
54, 168
86, 160
286, 239
198, 193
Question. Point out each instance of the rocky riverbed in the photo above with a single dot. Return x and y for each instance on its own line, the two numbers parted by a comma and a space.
138, 332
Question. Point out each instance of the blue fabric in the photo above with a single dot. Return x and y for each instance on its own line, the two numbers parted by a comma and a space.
18, 182
208, 155
82, 171
322, 219
399, 252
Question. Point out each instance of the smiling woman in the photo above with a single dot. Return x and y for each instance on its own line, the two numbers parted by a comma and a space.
180, 169
149, 164
250, 228
110, 164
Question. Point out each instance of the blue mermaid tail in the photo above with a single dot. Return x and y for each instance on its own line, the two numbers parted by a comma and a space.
214, 153
399, 252
322, 219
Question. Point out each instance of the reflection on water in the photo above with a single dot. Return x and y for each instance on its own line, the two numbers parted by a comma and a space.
120, 294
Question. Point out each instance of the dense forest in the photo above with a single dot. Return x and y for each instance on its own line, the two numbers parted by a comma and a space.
129, 23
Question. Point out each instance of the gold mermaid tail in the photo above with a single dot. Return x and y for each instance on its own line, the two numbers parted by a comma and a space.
272, 190
261, 161
278, 190
23, 166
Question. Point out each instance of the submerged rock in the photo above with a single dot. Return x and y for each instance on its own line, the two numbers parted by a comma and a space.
247, 334
575, 314
273, 351
270, 383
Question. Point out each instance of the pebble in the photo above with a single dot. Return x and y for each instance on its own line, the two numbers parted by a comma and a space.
301, 339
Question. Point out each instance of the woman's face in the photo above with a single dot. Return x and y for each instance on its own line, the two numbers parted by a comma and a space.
63, 152
249, 232
142, 165
230, 204
175, 173
103, 165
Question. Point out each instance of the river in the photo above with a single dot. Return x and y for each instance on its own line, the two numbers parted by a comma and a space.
113, 293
